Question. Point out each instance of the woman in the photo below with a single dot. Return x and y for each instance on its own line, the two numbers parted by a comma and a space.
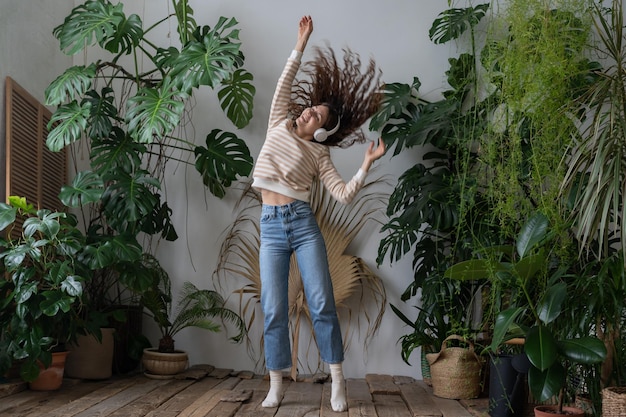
330, 107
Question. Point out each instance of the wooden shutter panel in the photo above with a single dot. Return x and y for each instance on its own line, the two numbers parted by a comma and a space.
32, 170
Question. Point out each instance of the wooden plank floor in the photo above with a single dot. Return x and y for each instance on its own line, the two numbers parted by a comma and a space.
204, 391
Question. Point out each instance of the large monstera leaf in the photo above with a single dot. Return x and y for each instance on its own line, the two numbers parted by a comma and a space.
154, 112
129, 198
70, 121
100, 20
237, 96
72, 84
223, 159
452, 23
209, 58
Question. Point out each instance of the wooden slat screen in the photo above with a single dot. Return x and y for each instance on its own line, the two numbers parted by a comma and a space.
32, 170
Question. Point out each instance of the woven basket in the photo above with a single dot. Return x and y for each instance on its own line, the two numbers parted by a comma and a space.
614, 402
455, 371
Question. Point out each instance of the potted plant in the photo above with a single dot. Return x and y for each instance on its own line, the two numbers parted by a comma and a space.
130, 118
550, 344
194, 308
435, 210
42, 286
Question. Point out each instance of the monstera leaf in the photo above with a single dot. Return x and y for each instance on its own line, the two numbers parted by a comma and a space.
99, 19
118, 151
237, 96
154, 112
71, 121
70, 85
453, 22
102, 112
209, 58
223, 159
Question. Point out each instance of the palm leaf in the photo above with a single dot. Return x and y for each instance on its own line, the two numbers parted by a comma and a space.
186, 22
126, 37
102, 112
116, 152
351, 277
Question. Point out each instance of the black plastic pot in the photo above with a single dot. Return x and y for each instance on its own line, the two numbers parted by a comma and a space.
507, 385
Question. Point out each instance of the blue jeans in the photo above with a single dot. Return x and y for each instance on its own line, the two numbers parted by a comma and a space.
286, 229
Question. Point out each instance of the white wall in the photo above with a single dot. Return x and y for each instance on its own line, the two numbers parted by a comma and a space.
395, 34
28, 52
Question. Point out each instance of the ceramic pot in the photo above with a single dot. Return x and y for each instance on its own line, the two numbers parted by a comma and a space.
507, 394
91, 359
50, 378
552, 411
163, 365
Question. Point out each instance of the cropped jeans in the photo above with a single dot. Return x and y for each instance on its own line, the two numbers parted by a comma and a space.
284, 230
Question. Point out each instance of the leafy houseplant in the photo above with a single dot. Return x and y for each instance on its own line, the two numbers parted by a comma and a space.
132, 122
42, 294
550, 344
194, 308
435, 210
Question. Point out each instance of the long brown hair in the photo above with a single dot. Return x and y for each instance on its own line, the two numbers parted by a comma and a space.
349, 93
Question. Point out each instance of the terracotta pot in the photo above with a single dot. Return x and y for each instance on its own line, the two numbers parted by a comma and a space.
552, 411
91, 359
50, 378
162, 365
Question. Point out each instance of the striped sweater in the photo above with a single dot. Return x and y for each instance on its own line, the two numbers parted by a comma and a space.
287, 164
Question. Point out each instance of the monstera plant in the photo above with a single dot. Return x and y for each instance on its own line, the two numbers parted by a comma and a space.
129, 111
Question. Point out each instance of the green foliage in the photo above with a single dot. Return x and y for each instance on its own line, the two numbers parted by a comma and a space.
597, 172
194, 308
43, 294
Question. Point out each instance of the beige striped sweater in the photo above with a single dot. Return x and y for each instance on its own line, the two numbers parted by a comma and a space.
287, 164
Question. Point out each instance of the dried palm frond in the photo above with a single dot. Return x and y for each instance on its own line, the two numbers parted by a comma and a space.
353, 281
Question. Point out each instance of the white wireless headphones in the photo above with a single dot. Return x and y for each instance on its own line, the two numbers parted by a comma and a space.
322, 134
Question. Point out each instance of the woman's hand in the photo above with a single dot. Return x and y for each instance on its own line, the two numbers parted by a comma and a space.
372, 154
305, 28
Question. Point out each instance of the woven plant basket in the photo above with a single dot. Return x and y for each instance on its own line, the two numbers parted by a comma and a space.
614, 402
455, 371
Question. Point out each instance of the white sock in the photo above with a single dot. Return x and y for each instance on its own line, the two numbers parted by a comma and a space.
276, 385
338, 388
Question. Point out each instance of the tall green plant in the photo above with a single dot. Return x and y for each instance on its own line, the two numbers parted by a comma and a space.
538, 68
130, 110
597, 159
130, 117
435, 209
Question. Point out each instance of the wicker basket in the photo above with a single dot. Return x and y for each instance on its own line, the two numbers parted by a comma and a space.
614, 402
455, 371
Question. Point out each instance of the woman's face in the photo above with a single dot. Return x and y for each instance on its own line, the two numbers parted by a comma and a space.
311, 119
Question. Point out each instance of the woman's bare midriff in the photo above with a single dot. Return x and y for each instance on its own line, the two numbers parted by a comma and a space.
272, 198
